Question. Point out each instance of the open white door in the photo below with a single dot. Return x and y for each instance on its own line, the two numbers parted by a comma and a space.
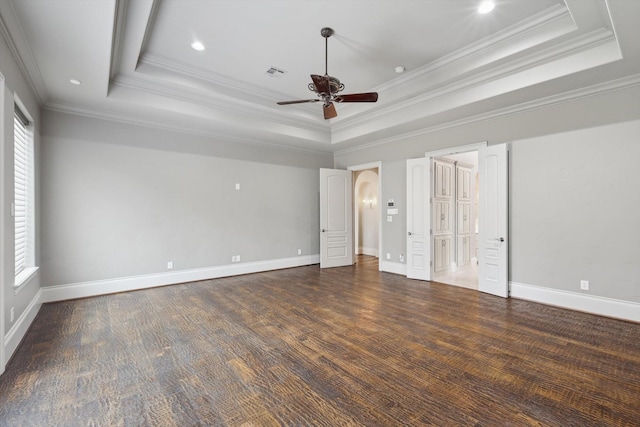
336, 219
493, 242
418, 219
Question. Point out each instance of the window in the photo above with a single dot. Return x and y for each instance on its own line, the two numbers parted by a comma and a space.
23, 204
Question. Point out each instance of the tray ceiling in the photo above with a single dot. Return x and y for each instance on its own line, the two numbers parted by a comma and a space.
135, 61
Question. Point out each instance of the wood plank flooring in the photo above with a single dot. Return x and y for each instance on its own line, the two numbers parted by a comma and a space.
341, 347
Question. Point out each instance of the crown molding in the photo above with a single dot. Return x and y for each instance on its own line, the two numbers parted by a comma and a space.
209, 77
591, 40
117, 36
225, 105
488, 44
26, 62
152, 64
151, 22
125, 118
594, 90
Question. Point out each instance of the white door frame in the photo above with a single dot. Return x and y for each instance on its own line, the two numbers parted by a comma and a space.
447, 152
381, 206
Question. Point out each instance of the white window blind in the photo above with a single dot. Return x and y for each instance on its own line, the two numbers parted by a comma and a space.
23, 201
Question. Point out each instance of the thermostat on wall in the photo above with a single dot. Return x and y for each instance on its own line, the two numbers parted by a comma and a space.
390, 203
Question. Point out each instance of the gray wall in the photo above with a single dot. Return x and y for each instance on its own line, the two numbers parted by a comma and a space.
15, 84
122, 200
575, 211
574, 143
394, 182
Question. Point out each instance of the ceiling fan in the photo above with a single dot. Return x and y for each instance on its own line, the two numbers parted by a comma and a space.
328, 87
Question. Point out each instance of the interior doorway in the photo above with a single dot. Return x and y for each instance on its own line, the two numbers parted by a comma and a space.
366, 209
455, 219
428, 216
366, 212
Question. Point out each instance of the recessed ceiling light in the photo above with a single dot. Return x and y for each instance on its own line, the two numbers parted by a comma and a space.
197, 46
75, 82
400, 69
486, 6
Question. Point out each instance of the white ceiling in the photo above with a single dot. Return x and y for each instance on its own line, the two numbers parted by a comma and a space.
135, 62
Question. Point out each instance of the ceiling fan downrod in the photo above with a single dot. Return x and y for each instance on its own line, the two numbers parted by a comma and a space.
326, 32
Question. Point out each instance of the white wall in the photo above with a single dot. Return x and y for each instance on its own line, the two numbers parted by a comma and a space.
123, 200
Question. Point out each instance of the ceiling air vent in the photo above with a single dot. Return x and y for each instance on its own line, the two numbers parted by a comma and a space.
275, 72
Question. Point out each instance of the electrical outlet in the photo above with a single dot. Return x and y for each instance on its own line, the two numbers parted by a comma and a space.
299, 251
237, 186
584, 285
401, 258
13, 312
170, 265
388, 255
233, 258
237, 258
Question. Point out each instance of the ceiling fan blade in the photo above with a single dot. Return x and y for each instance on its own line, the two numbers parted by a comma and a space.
300, 101
321, 83
358, 97
329, 111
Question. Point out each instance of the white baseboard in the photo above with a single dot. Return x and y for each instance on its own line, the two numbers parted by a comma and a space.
20, 327
602, 306
110, 286
368, 251
393, 267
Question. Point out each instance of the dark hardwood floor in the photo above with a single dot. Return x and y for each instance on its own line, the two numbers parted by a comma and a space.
337, 347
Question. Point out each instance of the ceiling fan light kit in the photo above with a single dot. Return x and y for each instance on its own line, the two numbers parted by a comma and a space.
327, 87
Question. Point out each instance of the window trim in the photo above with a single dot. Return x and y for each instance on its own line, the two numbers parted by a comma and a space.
23, 278
24, 267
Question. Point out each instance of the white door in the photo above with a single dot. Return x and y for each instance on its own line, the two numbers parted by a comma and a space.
493, 242
418, 219
336, 218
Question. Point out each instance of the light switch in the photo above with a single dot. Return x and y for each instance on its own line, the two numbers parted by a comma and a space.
389, 219
237, 186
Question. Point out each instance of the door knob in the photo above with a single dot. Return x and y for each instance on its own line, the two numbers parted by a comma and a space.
500, 239
323, 230
409, 233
